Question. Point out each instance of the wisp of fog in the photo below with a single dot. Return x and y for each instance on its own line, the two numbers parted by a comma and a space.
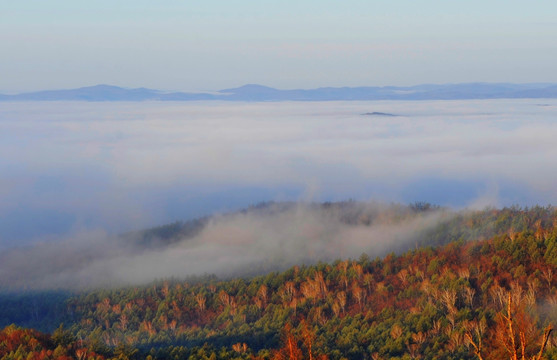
236, 244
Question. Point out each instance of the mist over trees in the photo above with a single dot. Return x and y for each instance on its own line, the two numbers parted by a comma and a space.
263, 238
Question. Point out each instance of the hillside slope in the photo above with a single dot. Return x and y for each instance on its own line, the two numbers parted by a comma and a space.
477, 295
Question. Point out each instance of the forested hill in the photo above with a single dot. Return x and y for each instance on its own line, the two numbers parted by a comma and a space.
449, 225
489, 292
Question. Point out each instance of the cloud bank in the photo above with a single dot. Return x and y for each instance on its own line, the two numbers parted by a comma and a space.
69, 168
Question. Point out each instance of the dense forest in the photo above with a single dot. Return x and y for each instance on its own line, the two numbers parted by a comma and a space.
477, 285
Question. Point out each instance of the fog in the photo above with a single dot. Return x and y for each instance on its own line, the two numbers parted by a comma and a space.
78, 173
68, 167
235, 244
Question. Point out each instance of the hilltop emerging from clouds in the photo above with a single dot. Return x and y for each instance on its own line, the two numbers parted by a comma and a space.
253, 92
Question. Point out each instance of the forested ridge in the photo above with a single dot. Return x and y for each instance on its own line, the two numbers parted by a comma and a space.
478, 285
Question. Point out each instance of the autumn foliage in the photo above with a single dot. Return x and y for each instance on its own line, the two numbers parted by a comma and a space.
18, 343
477, 296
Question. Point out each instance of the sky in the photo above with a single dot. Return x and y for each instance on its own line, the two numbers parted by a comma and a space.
211, 45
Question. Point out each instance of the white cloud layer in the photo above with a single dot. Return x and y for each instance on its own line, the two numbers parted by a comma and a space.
69, 166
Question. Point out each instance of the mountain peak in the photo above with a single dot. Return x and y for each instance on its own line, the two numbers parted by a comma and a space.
249, 88
101, 87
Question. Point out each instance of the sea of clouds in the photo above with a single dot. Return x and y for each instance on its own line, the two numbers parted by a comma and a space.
83, 170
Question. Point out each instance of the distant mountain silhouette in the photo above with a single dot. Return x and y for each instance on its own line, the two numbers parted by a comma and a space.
91, 93
104, 93
254, 92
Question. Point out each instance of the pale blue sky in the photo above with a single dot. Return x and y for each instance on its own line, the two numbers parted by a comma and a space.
210, 45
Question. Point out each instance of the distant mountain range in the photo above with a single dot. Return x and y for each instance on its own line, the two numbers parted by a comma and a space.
252, 92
